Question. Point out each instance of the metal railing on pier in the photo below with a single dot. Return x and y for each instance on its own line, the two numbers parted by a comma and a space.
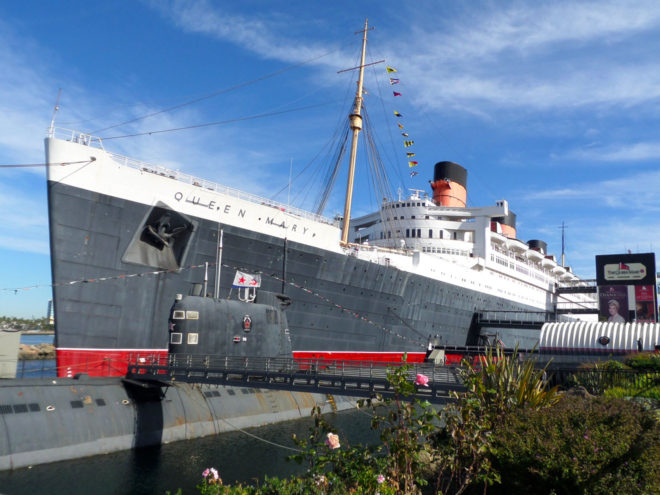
352, 378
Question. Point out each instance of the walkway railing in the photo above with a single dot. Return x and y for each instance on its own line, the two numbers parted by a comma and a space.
352, 378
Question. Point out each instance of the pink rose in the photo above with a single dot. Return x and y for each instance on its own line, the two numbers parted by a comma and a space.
211, 471
380, 479
332, 441
422, 380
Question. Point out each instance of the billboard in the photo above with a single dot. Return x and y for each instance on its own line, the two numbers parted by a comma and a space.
625, 269
626, 287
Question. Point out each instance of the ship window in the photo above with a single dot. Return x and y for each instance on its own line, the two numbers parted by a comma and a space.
76, 404
441, 234
412, 216
398, 205
192, 315
20, 408
389, 234
34, 407
455, 235
419, 233
193, 338
100, 402
430, 233
179, 315
407, 204
407, 232
413, 232
176, 338
5, 409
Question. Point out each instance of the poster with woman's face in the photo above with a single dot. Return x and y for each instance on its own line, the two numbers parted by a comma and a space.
613, 303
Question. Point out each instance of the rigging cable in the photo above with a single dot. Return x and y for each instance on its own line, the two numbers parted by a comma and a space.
21, 165
217, 93
220, 122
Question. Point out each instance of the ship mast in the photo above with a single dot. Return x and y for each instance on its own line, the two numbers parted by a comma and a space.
356, 126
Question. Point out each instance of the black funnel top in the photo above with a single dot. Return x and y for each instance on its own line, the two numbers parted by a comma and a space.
452, 171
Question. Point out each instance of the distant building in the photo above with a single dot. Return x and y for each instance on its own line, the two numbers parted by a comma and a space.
50, 313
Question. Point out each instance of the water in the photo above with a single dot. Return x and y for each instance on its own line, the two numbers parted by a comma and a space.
37, 338
237, 456
36, 368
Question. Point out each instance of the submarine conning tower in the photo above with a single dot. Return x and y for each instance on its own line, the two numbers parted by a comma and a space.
449, 184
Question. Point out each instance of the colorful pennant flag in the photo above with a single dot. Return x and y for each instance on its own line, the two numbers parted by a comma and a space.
397, 114
407, 144
413, 163
394, 80
390, 69
404, 134
396, 94
410, 154
400, 126
413, 173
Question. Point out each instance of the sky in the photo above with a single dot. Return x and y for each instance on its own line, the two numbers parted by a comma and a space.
551, 105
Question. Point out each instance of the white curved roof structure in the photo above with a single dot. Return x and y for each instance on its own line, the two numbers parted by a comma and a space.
599, 337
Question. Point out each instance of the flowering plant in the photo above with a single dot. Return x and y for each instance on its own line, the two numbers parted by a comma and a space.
422, 380
332, 441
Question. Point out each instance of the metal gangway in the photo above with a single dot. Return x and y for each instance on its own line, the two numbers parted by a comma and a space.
351, 378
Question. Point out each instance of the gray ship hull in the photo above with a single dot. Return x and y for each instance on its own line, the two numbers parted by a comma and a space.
127, 279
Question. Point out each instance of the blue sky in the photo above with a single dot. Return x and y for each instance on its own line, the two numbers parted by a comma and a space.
553, 106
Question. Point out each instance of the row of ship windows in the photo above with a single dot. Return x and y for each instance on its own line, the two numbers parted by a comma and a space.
403, 205
418, 233
518, 268
185, 315
442, 250
177, 338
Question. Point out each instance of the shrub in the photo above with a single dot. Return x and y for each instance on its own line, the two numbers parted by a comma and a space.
648, 361
579, 446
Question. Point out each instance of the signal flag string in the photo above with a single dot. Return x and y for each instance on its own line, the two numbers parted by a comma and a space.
349, 311
407, 143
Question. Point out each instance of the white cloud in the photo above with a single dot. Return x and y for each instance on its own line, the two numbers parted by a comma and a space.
259, 34
620, 153
636, 192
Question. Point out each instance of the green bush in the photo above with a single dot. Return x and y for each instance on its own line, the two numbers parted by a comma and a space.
579, 446
648, 361
652, 392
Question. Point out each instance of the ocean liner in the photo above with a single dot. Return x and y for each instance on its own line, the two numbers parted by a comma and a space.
127, 236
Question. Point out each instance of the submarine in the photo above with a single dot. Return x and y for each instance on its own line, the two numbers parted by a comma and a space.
45, 420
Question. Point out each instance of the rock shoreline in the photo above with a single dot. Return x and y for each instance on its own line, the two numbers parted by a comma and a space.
37, 351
